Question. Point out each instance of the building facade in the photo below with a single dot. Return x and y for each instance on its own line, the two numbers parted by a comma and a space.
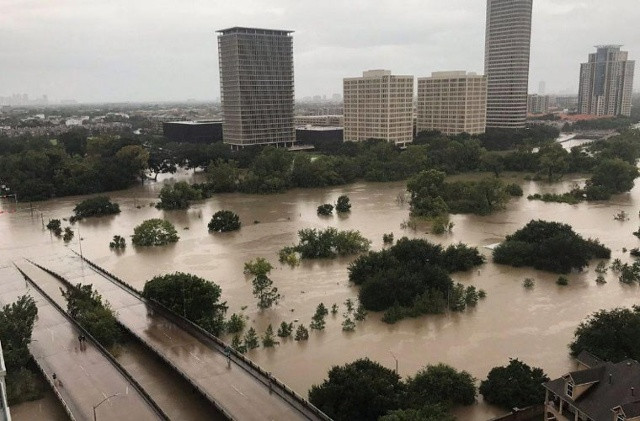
378, 105
452, 103
4, 406
256, 85
197, 131
319, 120
506, 62
538, 104
606, 82
596, 391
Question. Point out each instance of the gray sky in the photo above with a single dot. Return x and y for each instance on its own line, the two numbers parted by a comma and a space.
148, 50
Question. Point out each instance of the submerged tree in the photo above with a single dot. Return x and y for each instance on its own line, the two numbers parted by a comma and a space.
154, 232
269, 340
302, 334
224, 221
343, 205
285, 330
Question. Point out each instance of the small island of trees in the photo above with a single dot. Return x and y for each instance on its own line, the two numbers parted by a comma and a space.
154, 232
549, 246
96, 206
328, 243
412, 278
178, 196
224, 221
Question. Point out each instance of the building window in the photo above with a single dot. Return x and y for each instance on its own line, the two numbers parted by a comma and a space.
570, 389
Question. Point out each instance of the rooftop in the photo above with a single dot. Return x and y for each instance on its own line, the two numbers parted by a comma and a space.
613, 385
261, 31
319, 128
195, 122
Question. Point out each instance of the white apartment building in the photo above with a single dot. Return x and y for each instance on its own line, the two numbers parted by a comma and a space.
378, 105
538, 104
452, 103
4, 406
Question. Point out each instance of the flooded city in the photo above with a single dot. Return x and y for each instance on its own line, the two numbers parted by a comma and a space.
534, 325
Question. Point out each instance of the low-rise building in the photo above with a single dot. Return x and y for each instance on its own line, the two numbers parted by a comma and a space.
312, 134
319, 120
199, 131
596, 391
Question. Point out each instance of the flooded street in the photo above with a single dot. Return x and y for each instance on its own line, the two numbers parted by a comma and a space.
512, 322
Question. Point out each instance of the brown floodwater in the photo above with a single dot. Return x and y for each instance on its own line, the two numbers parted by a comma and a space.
512, 322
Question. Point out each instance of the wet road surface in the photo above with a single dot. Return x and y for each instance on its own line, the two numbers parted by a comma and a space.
86, 376
234, 389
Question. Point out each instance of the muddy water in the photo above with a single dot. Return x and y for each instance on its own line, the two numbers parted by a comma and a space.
533, 325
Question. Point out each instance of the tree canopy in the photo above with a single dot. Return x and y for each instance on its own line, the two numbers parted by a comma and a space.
365, 390
411, 276
437, 384
178, 196
95, 206
154, 232
328, 243
361, 390
515, 385
224, 221
611, 335
549, 246
190, 296
86, 306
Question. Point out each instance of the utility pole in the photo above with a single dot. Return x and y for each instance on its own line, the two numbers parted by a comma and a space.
101, 402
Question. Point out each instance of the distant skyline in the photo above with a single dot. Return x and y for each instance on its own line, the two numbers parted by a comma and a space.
143, 50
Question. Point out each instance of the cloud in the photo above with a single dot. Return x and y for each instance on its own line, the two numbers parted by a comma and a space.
113, 50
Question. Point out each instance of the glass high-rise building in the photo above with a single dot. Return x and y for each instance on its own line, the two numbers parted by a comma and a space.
506, 61
606, 81
256, 85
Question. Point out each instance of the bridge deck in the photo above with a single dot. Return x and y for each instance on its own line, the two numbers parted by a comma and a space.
236, 390
87, 376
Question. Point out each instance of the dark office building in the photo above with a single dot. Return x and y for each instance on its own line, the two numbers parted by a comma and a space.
202, 131
311, 135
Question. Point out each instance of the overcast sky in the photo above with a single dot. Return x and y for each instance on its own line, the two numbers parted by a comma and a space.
156, 50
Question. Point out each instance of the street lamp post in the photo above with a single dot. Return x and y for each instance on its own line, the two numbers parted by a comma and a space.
395, 358
101, 402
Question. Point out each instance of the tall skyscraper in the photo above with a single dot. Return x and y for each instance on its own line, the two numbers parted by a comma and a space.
606, 81
452, 103
256, 85
506, 61
378, 105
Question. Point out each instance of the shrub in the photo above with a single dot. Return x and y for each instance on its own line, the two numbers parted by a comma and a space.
154, 232
118, 243
514, 190
562, 281
224, 221
343, 205
325, 210
387, 238
302, 334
